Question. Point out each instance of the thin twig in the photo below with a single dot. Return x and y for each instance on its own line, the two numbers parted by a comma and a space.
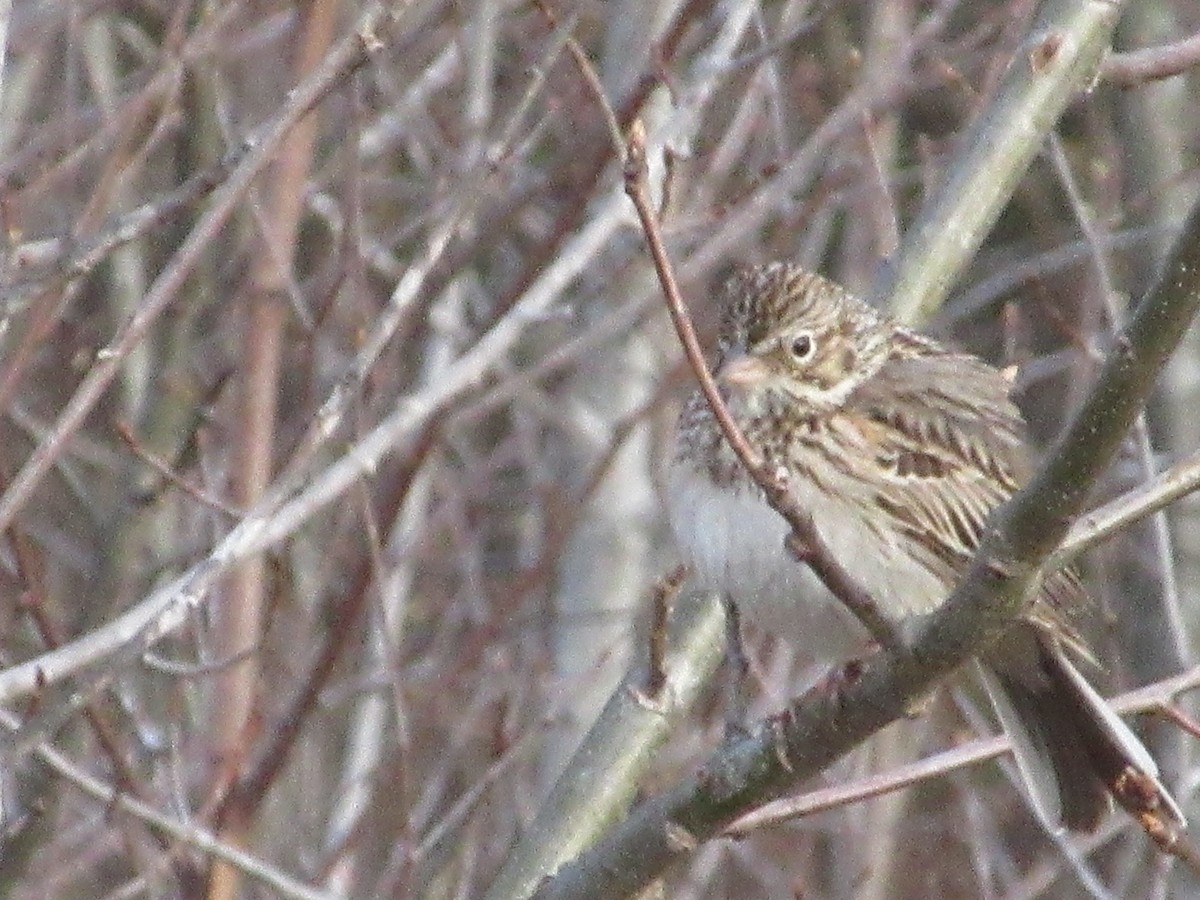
1151, 64
1178, 481
163, 468
588, 71
184, 832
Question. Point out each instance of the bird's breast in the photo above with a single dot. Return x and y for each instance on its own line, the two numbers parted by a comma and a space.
735, 543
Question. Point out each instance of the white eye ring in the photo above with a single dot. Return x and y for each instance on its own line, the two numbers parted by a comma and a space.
802, 346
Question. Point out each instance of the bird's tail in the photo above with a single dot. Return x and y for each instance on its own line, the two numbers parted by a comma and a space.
1072, 750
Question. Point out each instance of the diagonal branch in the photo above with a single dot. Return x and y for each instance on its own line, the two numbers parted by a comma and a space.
1150, 698
1059, 58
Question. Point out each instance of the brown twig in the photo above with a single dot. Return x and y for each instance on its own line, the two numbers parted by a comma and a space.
1179, 717
169, 475
589, 74
269, 759
664, 595
804, 543
29, 567
241, 619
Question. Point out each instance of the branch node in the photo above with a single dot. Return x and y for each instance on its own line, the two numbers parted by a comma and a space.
680, 839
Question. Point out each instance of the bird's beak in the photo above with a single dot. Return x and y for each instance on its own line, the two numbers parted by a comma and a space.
741, 373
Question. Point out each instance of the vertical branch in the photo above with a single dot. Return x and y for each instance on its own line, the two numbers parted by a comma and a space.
241, 611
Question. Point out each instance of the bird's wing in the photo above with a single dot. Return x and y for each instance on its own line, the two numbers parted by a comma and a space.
950, 446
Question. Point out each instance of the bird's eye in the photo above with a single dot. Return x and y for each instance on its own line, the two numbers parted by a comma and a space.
802, 346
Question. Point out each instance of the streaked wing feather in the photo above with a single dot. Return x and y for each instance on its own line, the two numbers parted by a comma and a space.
949, 443
953, 401
950, 447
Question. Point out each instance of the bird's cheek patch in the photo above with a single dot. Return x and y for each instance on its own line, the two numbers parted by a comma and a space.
828, 372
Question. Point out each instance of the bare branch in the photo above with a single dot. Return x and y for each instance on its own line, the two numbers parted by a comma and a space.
1057, 59
1151, 64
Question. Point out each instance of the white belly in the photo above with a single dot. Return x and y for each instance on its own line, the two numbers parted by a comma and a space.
734, 543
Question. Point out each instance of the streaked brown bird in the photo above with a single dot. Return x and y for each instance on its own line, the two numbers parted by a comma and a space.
898, 448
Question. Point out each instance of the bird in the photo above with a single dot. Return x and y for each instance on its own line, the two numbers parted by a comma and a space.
898, 448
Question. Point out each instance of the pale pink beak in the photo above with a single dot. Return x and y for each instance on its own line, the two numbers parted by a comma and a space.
742, 372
